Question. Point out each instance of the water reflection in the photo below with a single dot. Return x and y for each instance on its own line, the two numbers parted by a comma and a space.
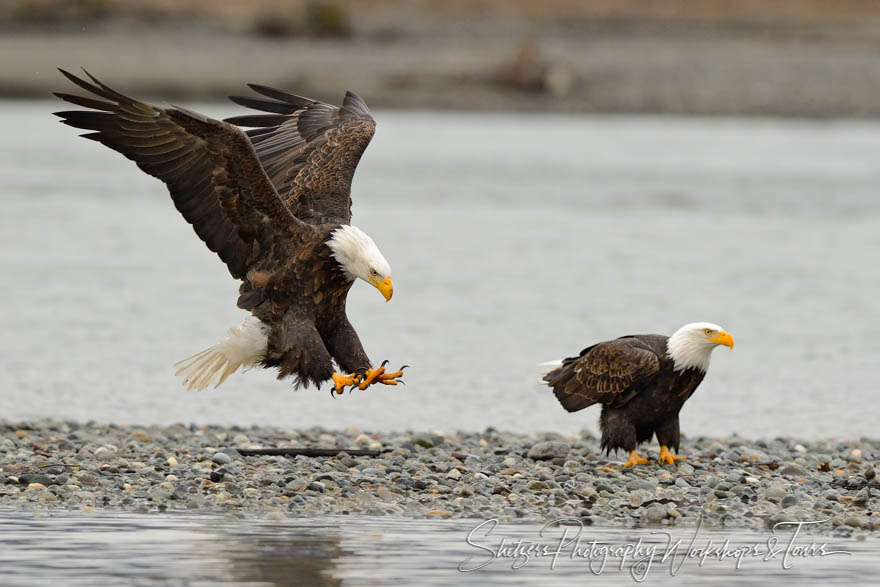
111, 549
275, 554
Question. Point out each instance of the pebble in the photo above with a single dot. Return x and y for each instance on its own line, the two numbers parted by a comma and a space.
548, 450
105, 453
423, 440
792, 471
788, 501
775, 493
853, 521
221, 458
655, 513
644, 484
725, 482
296, 484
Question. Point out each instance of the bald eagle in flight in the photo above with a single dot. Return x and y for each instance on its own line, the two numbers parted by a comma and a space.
274, 203
642, 382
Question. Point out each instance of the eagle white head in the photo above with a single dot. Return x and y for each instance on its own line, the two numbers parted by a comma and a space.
691, 346
359, 257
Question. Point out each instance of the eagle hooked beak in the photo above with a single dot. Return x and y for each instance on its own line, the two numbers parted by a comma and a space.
722, 338
384, 287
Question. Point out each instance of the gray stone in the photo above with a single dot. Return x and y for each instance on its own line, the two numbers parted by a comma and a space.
296, 484
853, 521
221, 458
788, 501
644, 484
551, 449
775, 493
28, 478
656, 513
792, 471
423, 440
105, 453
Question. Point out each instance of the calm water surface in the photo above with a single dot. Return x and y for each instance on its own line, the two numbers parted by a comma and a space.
513, 239
111, 549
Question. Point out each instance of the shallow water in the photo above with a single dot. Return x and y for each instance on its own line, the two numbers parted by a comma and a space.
112, 549
513, 239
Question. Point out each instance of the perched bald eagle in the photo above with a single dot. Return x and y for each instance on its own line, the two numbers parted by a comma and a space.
642, 382
275, 205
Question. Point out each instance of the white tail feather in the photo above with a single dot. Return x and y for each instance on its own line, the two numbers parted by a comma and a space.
555, 364
244, 347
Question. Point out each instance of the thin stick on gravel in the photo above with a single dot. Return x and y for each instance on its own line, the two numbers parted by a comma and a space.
308, 452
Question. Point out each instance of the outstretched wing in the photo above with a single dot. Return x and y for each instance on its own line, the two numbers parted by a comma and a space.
210, 168
602, 372
309, 149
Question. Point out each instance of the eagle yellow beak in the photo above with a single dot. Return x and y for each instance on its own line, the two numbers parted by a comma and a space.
723, 338
384, 287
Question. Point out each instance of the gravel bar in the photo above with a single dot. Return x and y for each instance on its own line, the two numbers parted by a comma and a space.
732, 482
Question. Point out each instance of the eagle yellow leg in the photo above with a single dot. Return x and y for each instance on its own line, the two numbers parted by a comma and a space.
667, 458
635, 459
340, 381
379, 375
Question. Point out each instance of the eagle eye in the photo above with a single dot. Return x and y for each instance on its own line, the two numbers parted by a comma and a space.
373, 272
708, 331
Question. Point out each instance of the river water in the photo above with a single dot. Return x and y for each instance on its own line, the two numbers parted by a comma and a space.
514, 239
95, 550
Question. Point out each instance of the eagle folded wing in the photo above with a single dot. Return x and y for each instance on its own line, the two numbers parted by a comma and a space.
601, 373
309, 149
210, 167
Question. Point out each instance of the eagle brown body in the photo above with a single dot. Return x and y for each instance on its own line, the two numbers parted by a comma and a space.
640, 382
266, 201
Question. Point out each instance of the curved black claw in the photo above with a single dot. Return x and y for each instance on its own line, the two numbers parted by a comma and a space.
385, 362
404, 367
333, 393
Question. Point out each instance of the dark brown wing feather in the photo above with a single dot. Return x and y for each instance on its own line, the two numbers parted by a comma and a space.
309, 149
602, 372
210, 168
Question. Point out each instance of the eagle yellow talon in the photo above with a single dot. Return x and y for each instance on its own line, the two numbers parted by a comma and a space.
635, 459
371, 376
379, 375
340, 381
667, 458
390, 378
